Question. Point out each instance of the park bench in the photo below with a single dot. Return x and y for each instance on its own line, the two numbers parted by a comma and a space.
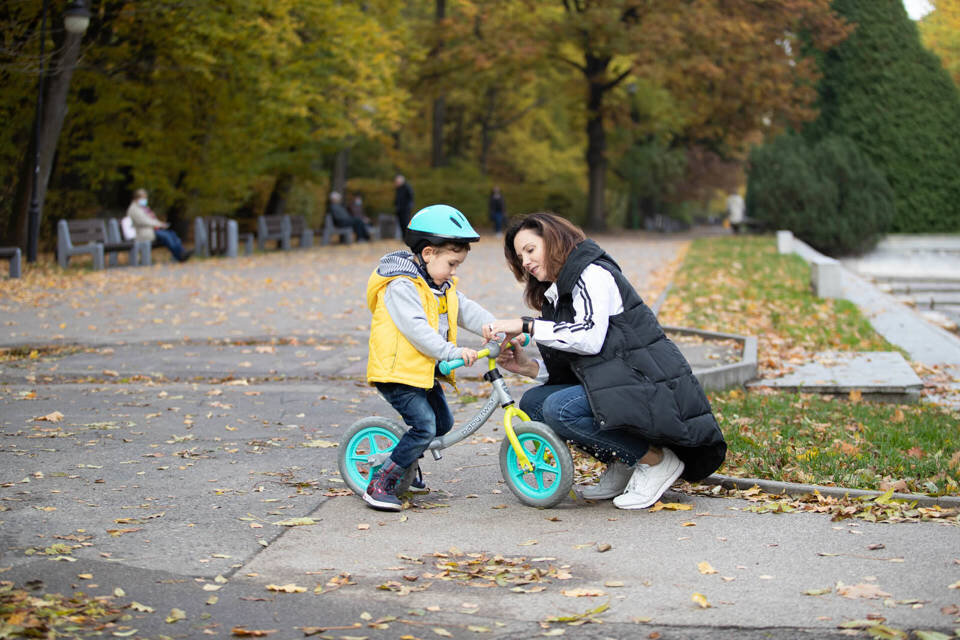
330, 229
76, 237
300, 229
142, 248
219, 235
273, 228
388, 226
13, 255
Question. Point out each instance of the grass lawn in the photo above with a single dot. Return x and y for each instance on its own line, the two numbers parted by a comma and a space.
742, 285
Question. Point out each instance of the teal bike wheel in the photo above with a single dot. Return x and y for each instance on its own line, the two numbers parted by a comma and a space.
550, 480
364, 447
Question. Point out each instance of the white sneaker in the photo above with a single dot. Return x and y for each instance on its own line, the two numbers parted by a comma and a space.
611, 484
648, 482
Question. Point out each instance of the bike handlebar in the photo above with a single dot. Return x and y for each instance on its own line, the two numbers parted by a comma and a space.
489, 350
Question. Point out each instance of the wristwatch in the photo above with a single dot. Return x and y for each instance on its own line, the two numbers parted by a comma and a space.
527, 326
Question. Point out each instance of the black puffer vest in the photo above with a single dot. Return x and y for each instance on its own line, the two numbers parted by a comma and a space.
639, 380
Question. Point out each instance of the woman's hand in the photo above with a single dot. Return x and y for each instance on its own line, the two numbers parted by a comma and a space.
511, 327
516, 360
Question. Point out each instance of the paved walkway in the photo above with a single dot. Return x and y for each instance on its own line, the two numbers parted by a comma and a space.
199, 402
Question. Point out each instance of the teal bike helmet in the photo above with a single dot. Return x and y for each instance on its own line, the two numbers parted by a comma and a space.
437, 224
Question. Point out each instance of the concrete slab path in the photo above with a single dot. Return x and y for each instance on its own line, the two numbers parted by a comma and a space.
192, 411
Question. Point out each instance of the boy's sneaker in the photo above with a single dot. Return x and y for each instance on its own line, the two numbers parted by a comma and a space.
648, 482
611, 484
381, 492
417, 485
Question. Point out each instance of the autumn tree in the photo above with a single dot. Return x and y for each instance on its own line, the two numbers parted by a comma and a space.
729, 67
940, 30
53, 86
490, 76
200, 101
882, 89
342, 81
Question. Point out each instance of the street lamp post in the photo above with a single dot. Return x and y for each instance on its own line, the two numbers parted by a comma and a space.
76, 18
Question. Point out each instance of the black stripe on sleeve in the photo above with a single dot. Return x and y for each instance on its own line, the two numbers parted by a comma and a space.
587, 322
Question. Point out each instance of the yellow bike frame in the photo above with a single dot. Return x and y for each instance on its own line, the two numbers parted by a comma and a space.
508, 414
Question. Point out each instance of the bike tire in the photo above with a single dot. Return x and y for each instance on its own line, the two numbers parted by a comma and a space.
365, 437
550, 481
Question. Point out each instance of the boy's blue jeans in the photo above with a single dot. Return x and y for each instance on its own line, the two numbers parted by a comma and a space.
424, 410
566, 409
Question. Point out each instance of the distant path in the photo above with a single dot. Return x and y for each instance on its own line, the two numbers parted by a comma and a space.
314, 293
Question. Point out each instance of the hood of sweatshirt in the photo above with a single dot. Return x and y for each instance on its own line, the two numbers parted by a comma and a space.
403, 263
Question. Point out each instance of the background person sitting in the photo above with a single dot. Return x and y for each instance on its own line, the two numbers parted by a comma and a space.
342, 217
149, 227
356, 208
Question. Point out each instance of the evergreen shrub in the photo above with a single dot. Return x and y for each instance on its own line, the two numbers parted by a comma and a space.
829, 195
884, 90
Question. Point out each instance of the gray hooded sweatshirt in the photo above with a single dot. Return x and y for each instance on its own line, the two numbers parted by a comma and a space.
406, 311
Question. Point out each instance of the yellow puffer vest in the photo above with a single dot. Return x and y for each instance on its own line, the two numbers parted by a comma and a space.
391, 357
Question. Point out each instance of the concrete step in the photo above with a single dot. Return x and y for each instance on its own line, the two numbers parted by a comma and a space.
937, 301
881, 375
918, 286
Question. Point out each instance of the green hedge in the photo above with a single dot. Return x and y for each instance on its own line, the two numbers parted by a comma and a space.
830, 195
888, 93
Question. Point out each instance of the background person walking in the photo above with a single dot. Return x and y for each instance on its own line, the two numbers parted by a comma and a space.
498, 210
402, 200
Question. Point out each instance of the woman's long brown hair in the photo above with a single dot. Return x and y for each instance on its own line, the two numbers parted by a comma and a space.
560, 237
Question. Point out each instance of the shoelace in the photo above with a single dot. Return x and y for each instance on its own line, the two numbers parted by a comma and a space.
638, 476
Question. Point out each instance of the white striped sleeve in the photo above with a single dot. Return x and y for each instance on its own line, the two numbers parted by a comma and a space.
595, 299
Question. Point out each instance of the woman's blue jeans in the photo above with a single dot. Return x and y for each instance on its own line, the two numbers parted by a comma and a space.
424, 410
566, 410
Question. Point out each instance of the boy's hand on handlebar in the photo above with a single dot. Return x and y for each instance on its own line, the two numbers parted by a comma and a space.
469, 356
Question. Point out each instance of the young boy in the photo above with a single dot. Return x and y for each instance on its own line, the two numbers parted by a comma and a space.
416, 310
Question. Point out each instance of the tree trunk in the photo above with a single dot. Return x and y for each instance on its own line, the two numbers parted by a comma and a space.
176, 214
338, 172
277, 204
439, 109
439, 103
486, 141
596, 145
56, 85
486, 128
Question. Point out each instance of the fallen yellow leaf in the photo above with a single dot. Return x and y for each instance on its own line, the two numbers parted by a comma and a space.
175, 614
671, 506
251, 633
286, 588
296, 522
583, 593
